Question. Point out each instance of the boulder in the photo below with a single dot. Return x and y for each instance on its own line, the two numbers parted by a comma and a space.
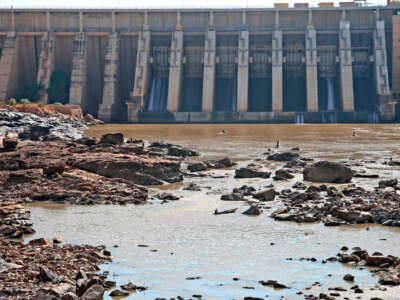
46, 274
265, 195
95, 292
388, 183
10, 143
251, 173
325, 171
252, 211
181, 152
54, 169
197, 167
285, 156
227, 162
112, 138
282, 174
232, 197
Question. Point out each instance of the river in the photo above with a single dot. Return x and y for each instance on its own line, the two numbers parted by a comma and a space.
185, 239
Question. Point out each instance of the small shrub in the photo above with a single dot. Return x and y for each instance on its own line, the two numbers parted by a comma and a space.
24, 101
30, 91
58, 90
58, 103
12, 101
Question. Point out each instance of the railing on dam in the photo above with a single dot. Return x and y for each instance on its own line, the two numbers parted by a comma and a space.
190, 4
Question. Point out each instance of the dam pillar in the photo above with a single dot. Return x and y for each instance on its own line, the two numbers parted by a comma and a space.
346, 67
311, 69
386, 107
396, 53
277, 73
210, 45
7, 65
111, 79
46, 63
78, 75
175, 72
142, 76
243, 71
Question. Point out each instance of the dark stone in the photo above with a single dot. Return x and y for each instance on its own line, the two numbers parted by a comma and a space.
10, 143
197, 167
252, 211
232, 197
251, 173
285, 156
265, 195
112, 138
95, 292
47, 275
325, 171
388, 183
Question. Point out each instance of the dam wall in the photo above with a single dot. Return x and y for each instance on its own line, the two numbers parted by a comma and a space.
325, 64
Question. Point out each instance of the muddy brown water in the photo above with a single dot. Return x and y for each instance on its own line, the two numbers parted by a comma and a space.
192, 242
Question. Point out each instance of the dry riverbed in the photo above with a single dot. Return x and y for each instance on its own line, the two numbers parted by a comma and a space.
211, 223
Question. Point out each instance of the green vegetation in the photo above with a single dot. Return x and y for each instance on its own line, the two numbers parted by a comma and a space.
59, 87
58, 103
24, 101
12, 101
30, 91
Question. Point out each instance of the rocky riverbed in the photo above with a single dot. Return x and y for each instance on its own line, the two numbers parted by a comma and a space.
286, 184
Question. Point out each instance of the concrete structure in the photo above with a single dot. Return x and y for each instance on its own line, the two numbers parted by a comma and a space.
301, 64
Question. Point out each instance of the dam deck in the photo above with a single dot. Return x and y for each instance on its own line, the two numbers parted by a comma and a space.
303, 65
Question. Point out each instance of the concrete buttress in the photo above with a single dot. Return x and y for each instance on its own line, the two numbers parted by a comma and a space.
386, 106
209, 71
277, 72
243, 71
78, 75
8, 66
111, 79
311, 69
346, 66
175, 72
142, 76
46, 63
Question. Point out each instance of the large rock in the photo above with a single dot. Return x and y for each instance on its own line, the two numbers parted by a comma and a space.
285, 156
325, 171
282, 174
265, 195
181, 152
112, 138
144, 171
10, 143
197, 167
95, 292
251, 173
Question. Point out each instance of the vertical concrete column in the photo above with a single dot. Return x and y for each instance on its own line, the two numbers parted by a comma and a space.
78, 75
142, 75
8, 65
46, 63
311, 69
346, 67
386, 107
277, 72
111, 79
396, 53
210, 47
175, 72
243, 71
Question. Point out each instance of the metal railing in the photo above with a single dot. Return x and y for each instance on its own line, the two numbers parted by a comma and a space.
180, 4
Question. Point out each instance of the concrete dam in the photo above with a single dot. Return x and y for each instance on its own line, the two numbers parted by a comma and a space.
292, 65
